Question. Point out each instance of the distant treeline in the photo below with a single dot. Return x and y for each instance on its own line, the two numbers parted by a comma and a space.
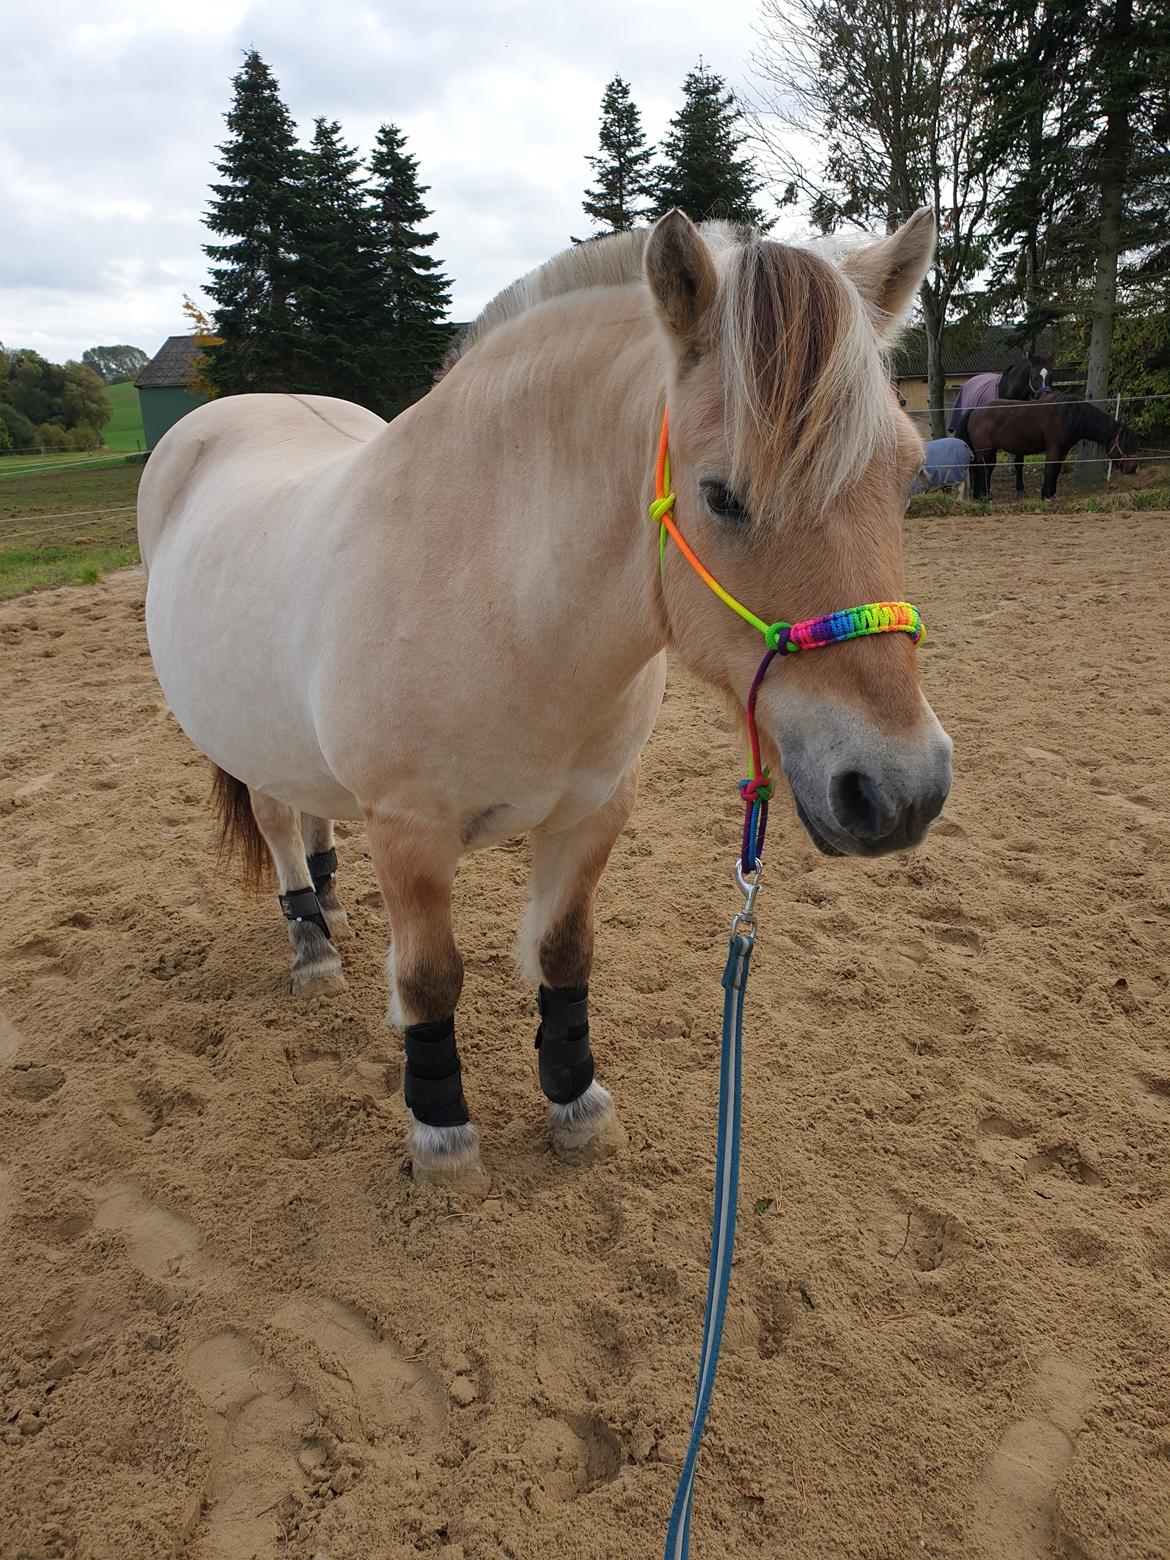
51, 405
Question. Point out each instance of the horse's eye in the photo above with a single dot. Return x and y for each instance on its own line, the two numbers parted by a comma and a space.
723, 504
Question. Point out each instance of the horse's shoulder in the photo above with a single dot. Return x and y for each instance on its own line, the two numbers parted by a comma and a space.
247, 419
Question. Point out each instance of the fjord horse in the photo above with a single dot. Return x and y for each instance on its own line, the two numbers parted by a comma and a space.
454, 626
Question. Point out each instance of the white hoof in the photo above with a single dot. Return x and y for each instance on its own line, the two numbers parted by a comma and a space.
587, 1129
442, 1153
318, 983
316, 970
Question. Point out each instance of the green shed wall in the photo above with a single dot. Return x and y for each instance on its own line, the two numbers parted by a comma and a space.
161, 409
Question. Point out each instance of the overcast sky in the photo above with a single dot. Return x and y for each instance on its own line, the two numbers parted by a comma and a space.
110, 115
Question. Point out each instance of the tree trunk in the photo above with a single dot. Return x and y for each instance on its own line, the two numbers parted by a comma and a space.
933, 320
1114, 166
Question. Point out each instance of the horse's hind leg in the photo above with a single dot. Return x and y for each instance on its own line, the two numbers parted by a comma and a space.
556, 949
316, 969
321, 856
415, 865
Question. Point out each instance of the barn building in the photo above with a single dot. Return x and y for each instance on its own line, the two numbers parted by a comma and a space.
164, 386
992, 353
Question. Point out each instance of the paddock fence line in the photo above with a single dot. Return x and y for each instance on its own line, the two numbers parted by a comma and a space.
1103, 403
55, 467
58, 527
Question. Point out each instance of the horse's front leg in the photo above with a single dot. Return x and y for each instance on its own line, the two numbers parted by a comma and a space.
556, 949
415, 865
1018, 463
1053, 461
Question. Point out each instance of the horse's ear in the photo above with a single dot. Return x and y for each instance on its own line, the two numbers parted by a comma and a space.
888, 273
682, 277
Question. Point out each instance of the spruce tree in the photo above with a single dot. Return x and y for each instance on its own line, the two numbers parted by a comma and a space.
257, 209
703, 173
337, 285
626, 190
415, 295
1081, 93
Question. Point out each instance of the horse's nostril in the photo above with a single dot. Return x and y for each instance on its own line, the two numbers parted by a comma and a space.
860, 805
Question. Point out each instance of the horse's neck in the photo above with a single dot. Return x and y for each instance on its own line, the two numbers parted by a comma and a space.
549, 426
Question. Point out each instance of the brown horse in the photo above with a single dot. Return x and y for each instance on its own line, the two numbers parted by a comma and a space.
1049, 428
454, 626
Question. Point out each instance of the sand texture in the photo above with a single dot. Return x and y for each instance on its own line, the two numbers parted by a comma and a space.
231, 1327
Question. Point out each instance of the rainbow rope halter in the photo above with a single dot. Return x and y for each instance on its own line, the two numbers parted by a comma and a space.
876, 617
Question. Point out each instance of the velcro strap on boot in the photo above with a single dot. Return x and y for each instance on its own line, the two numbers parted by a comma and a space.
322, 867
433, 1081
303, 905
566, 1062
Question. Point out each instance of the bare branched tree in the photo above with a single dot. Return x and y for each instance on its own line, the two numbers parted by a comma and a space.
888, 92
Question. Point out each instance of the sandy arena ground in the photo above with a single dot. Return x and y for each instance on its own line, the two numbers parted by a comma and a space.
230, 1327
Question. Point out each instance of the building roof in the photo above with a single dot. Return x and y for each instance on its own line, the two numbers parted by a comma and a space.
994, 353
173, 366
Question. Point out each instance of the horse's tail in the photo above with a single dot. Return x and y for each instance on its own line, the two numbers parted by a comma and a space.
238, 830
961, 430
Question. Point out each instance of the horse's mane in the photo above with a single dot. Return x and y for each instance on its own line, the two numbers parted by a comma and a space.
1082, 420
807, 395
612, 261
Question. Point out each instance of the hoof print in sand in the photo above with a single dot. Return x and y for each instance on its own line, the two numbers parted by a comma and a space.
572, 1455
1064, 1162
257, 1421
384, 1390
1016, 1514
161, 1245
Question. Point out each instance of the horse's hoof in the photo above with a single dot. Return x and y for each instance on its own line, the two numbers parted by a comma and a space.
318, 983
316, 970
587, 1130
445, 1154
338, 923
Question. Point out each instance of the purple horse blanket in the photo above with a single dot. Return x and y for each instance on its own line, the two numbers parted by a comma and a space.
979, 390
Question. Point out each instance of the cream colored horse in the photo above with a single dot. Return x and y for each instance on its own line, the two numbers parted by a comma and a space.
454, 626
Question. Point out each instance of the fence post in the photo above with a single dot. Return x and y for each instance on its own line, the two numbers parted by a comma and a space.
1116, 418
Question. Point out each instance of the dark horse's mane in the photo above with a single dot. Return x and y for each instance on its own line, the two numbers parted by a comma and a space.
1082, 420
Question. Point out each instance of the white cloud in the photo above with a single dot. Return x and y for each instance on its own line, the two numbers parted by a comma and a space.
108, 131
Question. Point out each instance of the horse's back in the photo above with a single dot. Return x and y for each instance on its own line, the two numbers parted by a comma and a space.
243, 442
1021, 427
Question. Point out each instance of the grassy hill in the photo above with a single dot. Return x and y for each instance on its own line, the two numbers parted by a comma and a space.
124, 429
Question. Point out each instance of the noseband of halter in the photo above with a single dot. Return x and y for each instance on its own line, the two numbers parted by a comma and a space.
781, 638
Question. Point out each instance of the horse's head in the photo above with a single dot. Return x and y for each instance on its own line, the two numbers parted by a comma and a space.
1040, 375
1122, 449
1026, 381
791, 463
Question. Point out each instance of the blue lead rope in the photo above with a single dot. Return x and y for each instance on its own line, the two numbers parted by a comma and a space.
678, 1534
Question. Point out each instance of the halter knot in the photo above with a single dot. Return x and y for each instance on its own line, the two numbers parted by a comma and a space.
760, 789
778, 637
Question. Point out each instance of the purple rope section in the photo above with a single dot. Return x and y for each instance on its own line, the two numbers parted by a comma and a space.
756, 789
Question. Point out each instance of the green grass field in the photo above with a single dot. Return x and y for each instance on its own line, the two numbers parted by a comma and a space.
66, 526
123, 432
122, 435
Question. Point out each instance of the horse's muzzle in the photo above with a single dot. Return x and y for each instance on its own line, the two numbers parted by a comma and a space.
868, 803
